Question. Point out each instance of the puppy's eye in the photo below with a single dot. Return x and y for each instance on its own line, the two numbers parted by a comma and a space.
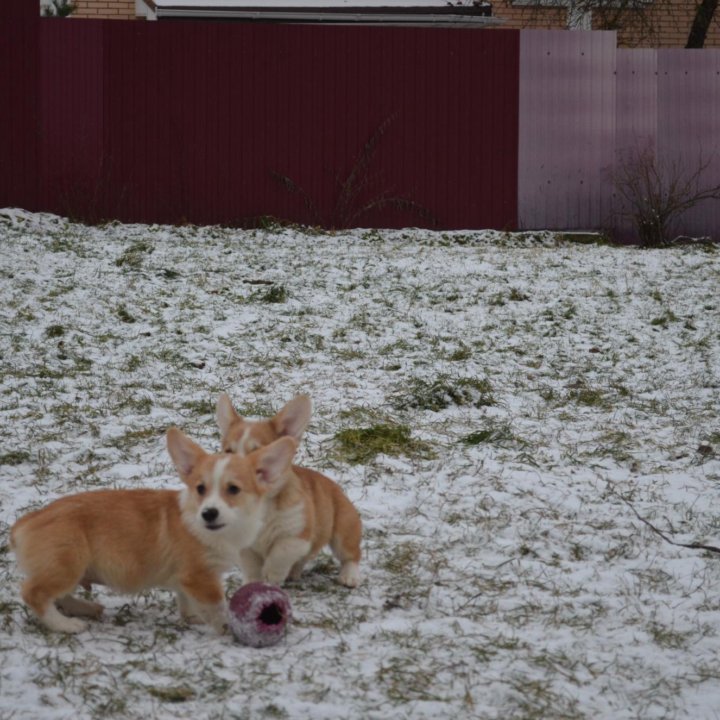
233, 489
200, 489
227, 450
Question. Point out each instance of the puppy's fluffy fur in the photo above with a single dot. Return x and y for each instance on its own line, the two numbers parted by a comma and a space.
306, 511
132, 540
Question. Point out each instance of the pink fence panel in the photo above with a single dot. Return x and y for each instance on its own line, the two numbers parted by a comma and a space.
636, 100
636, 123
566, 129
689, 127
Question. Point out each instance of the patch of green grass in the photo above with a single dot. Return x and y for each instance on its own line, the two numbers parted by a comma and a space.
200, 407
133, 257
581, 393
518, 295
460, 354
180, 693
82, 364
138, 403
61, 244
363, 444
536, 699
399, 346
592, 397
400, 557
53, 331
583, 238
665, 319
499, 434
570, 312
443, 392
124, 315
274, 711
134, 437
274, 294
132, 363
668, 638
349, 354
14, 457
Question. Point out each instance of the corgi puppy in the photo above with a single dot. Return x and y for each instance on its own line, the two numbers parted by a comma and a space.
133, 540
306, 510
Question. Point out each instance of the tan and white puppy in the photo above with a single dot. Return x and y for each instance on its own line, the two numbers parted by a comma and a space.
306, 510
133, 540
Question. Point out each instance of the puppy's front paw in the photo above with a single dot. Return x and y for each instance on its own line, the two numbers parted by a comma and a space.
192, 619
217, 618
350, 575
274, 577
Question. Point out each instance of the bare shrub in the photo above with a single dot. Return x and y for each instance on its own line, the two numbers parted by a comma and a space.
655, 194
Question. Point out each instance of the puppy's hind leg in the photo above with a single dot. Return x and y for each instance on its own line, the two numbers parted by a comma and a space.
346, 548
53, 571
78, 607
40, 597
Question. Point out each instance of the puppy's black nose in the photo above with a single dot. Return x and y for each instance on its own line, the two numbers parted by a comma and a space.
210, 514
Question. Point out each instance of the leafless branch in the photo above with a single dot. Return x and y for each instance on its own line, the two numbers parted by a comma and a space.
666, 538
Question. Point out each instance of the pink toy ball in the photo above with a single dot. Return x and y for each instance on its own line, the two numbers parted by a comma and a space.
259, 614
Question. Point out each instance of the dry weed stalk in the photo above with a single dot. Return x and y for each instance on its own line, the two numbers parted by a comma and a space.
351, 200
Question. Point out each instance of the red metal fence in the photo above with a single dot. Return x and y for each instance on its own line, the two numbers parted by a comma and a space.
18, 104
199, 122
227, 123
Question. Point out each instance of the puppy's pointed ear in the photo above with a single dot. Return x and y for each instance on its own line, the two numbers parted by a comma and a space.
274, 460
185, 453
225, 413
294, 418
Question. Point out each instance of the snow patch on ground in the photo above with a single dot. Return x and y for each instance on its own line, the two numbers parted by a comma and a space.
549, 390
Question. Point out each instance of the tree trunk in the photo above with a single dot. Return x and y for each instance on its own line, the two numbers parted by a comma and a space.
701, 23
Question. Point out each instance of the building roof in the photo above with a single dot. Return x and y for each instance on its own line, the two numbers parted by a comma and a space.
363, 12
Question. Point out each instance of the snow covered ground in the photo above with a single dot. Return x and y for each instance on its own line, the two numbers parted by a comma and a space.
502, 409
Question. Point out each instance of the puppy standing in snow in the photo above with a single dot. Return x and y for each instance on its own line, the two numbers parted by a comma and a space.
133, 540
306, 511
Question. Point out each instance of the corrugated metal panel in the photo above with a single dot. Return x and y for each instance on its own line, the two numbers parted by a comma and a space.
636, 124
636, 99
567, 128
189, 121
70, 106
689, 126
198, 117
18, 103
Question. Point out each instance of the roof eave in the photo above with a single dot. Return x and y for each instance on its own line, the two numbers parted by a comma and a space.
329, 18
